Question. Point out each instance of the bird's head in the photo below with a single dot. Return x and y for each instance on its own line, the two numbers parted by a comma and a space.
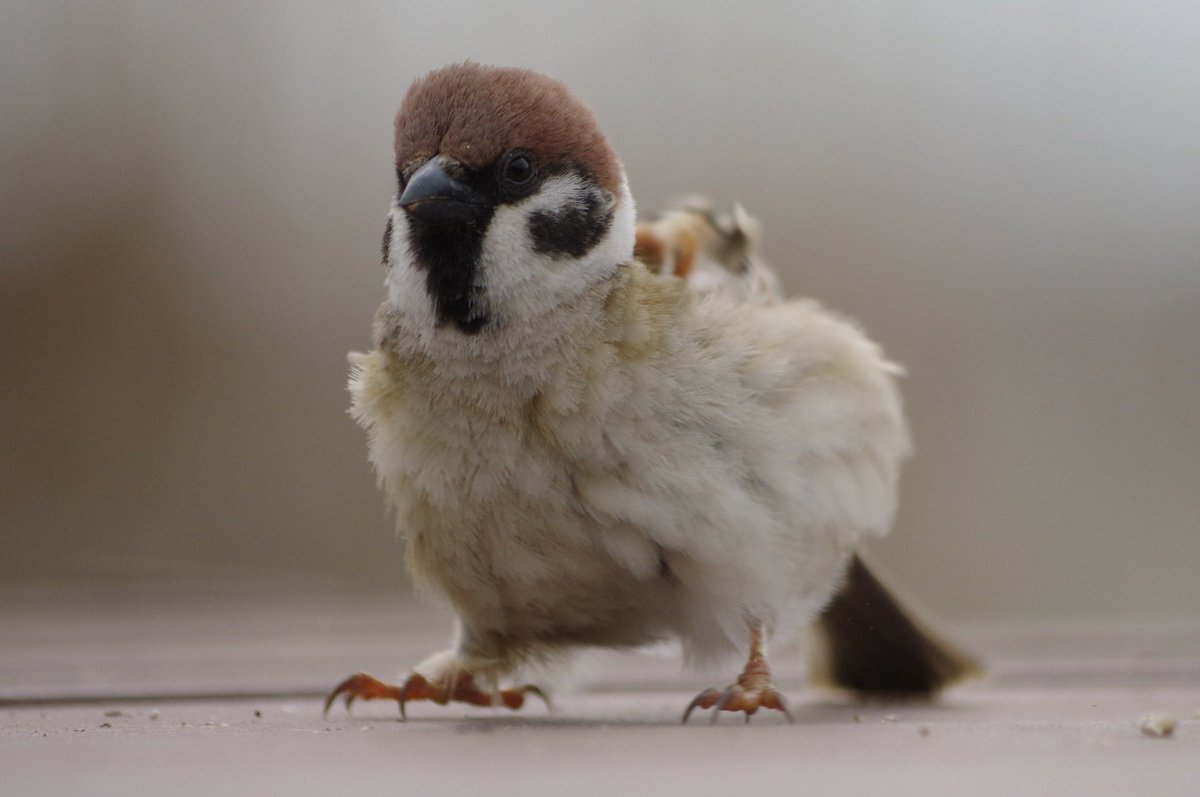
510, 201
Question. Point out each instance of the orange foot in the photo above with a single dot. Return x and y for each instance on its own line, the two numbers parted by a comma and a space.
460, 688
754, 688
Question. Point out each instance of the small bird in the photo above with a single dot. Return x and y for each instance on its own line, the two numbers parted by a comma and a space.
582, 453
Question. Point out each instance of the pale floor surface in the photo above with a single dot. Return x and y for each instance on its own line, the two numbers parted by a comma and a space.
215, 690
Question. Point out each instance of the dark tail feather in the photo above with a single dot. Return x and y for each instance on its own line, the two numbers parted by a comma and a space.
868, 643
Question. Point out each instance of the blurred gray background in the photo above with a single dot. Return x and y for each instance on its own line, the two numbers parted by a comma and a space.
1006, 194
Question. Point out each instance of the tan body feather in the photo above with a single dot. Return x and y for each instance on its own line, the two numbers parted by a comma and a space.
639, 463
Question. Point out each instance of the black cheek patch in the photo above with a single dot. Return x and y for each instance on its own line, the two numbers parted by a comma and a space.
449, 256
387, 241
574, 230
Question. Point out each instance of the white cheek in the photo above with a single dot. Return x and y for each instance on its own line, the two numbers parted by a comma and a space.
405, 282
521, 282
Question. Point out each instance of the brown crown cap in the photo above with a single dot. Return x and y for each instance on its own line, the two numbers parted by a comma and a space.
475, 113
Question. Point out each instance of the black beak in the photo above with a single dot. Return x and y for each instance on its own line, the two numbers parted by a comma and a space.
434, 197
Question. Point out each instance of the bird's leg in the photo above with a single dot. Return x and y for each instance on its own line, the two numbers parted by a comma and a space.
754, 688
457, 686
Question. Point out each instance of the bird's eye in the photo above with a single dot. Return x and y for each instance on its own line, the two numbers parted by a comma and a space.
519, 169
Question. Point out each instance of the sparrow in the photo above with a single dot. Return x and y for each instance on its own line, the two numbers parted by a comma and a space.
582, 453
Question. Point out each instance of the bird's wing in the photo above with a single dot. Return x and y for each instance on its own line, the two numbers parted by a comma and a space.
713, 252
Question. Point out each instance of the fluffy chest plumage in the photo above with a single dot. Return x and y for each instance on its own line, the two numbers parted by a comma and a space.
644, 466
490, 507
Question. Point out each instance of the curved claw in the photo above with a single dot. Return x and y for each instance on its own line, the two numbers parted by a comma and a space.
332, 696
773, 699
519, 699
359, 685
413, 683
403, 699
706, 699
729, 697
